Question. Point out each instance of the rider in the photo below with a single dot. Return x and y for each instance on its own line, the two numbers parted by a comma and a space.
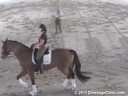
42, 46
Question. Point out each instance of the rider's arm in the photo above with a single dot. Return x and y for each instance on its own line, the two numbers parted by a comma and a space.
40, 43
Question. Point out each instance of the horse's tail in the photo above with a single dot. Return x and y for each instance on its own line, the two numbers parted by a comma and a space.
77, 65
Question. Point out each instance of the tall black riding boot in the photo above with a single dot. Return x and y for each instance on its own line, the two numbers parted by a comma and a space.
40, 69
40, 66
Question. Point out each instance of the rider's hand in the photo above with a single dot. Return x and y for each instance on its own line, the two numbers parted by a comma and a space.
33, 45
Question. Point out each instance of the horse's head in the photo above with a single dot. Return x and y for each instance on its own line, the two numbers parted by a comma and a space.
5, 49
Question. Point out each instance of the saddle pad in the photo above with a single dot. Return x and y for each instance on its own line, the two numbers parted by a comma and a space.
46, 58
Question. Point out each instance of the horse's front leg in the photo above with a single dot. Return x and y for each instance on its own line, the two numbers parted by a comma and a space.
24, 84
34, 89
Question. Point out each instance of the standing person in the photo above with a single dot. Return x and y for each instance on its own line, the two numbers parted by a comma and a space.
42, 46
58, 15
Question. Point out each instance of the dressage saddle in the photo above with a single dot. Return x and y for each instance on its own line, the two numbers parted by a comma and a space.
35, 54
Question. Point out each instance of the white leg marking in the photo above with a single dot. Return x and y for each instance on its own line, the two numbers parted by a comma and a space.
34, 90
65, 83
73, 83
23, 83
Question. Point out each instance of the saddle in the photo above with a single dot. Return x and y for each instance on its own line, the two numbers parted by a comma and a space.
46, 56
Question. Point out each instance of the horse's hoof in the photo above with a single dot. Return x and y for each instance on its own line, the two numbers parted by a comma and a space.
32, 93
73, 88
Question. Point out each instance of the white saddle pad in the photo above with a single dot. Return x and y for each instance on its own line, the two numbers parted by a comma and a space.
46, 58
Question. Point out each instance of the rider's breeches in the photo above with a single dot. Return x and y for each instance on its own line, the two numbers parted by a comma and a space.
40, 52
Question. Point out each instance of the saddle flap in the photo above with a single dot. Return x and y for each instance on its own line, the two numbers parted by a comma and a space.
46, 58
34, 53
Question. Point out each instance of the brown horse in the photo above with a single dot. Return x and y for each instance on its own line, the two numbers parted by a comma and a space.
65, 60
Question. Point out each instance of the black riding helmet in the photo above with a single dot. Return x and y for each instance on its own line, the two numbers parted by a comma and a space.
43, 27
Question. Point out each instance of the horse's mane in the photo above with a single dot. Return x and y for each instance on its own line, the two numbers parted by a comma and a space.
19, 43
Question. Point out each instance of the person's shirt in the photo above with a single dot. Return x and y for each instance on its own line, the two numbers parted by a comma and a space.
58, 14
43, 37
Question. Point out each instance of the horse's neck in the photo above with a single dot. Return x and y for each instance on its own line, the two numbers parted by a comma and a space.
17, 47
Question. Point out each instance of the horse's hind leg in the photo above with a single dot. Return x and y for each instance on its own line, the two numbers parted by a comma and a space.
66, 80
72, 77
24, 84
65, 83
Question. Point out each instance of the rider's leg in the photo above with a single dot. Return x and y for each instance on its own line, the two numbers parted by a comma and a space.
39, 59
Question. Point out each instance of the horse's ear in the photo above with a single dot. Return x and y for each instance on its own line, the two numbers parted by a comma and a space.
2, 41
6, 39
